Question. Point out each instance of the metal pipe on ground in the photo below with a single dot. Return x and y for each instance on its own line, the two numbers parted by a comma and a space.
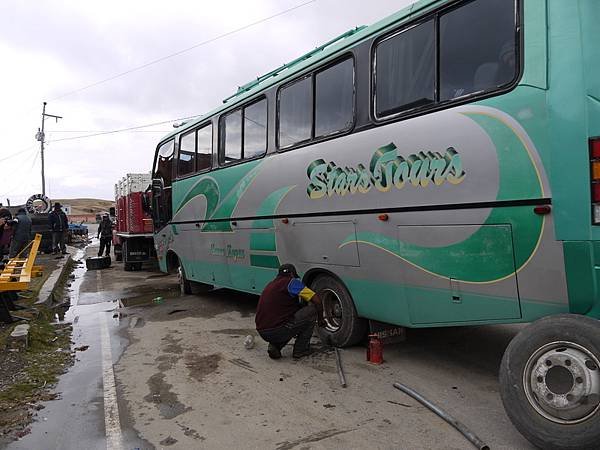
340, 369
471, 437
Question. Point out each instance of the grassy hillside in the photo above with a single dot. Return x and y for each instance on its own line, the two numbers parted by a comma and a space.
81, 206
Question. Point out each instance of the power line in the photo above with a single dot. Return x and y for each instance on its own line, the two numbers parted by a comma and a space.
172, 55
20, 152
121, 130
103, 131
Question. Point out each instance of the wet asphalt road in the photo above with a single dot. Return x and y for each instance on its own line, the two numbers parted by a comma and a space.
76, 420
184, 380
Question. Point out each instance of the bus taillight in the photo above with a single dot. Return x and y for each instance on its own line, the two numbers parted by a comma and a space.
595, 178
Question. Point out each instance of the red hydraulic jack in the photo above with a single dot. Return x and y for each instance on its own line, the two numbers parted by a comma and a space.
375, 350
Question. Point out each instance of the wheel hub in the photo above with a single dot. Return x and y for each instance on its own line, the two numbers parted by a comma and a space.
332, 310
562, 382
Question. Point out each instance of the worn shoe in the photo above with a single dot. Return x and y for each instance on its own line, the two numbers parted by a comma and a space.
273, 351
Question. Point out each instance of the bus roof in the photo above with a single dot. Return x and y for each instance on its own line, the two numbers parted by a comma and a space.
312, 58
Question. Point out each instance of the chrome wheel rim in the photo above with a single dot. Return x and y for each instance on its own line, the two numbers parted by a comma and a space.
562, 382
332, 310
180, 278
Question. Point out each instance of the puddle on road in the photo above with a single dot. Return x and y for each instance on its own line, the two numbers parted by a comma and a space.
166, 401
200, 366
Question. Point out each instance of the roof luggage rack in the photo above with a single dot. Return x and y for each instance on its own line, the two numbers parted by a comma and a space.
252, 84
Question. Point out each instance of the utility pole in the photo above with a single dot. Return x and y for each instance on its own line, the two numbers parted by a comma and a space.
40, 136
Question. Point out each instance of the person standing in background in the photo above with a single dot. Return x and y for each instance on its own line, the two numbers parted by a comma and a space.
59, 224
105, 234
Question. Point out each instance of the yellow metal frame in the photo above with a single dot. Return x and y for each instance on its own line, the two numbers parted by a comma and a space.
18, 272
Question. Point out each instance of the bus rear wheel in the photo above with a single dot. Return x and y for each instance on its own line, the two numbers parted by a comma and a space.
550, 382
343, 326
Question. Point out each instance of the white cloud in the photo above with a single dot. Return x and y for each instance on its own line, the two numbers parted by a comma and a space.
48, 48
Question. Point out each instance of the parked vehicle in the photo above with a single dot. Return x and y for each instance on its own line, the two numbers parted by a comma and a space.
133, 234
438, 168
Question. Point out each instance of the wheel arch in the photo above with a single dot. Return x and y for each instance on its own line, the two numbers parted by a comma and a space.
313, 273
172, 261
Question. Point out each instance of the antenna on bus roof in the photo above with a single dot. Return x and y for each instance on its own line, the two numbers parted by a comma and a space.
248, 86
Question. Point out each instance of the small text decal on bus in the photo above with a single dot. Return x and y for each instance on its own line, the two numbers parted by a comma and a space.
387, 169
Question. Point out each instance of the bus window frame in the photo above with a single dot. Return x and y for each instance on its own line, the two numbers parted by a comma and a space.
221, 131
212, 146
180, 138
438, 105
195, 131
312, 74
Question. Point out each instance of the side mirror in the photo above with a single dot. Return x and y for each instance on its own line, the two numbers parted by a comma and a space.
157, 187
146, 202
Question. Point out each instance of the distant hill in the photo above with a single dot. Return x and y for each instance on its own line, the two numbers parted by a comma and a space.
86, 206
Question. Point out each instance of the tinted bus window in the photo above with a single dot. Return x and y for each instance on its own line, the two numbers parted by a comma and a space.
204, 148
187, 154
255, 129
164, 163
477, 48
334, 98
232, 129
405, 70
295, 113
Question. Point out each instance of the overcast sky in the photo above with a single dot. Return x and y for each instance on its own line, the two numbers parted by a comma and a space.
51, 48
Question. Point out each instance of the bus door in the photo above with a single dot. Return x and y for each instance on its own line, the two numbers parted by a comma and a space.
162, 177
459, 273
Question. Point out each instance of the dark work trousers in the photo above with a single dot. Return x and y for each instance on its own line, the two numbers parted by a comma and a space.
5, 301
104, 243
15, 248
300, 326
58, 242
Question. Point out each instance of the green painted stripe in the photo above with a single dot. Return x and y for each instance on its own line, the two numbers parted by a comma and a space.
263, 241
269, 261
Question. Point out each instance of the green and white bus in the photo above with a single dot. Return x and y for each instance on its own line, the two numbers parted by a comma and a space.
438, 168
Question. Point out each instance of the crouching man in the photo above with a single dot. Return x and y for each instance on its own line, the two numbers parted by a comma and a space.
288, 309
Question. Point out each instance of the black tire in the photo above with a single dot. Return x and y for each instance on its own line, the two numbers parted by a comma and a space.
97, 262
542, 365
344, 327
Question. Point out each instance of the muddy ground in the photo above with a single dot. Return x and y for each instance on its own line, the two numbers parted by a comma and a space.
189, 382
184, 379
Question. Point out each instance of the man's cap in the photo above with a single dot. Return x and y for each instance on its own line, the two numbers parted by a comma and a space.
57, 205
287, 269
105, 215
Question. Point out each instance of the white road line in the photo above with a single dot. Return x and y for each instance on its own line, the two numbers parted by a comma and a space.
112, 422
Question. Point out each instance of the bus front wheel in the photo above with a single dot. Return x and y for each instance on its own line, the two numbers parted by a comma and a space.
343, 327
185, 285
550, 382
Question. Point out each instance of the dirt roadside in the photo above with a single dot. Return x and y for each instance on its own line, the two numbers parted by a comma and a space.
187, 381
26, 377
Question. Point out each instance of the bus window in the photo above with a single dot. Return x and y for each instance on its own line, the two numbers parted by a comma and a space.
204, 148
334, 99
164, 163
405, 70
478, 45
187, 154
232, 131
295, 113
255, 129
